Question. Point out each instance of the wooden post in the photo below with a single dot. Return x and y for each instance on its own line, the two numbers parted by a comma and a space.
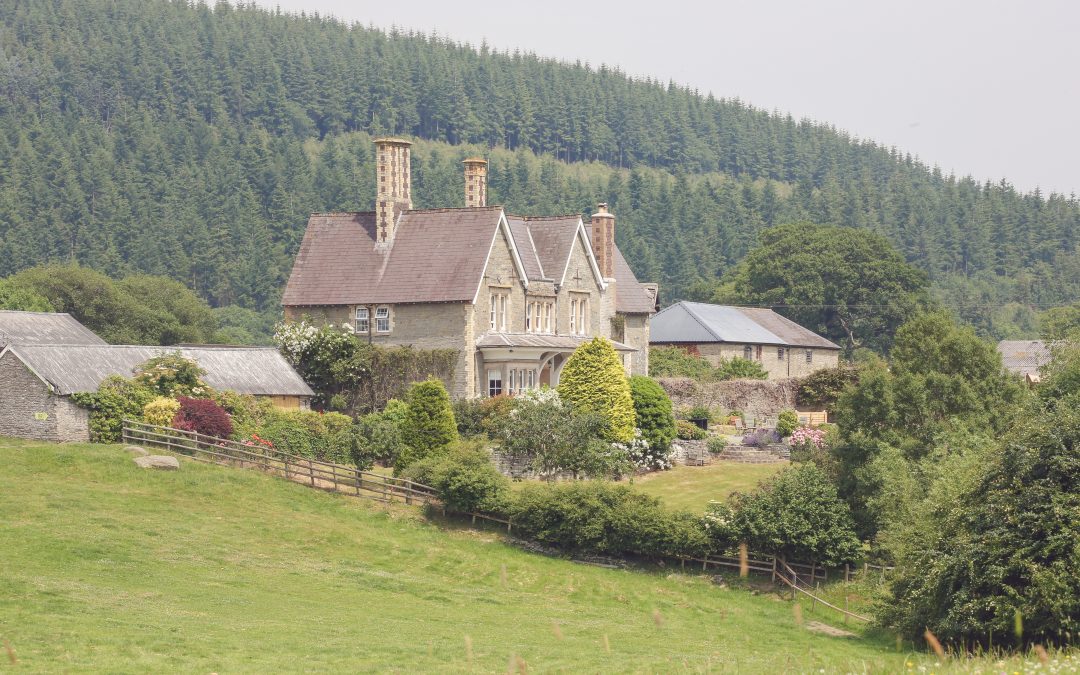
286, 461
847, 573
774, 569
311, 472
359, 481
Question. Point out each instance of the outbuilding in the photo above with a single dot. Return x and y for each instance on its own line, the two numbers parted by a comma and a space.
37, 381
720, 332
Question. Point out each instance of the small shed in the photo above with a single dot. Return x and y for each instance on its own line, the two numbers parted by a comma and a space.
39, 379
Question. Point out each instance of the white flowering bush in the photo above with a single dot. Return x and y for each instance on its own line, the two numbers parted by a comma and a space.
644, 456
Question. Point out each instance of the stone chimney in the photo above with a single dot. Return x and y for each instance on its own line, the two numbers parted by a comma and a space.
393, 185
475, 182
603, 240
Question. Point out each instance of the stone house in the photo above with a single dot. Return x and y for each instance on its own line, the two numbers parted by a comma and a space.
37, 381
514, 295
715, 332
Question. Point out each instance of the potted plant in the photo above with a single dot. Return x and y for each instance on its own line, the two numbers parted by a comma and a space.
735, 416
699, 415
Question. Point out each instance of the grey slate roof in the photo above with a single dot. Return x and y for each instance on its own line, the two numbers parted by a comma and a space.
1024, 357
697, 322
438, 255
71, 369
44, 328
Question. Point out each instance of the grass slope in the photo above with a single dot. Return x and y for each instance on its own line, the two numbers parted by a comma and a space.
104, 566
691, 488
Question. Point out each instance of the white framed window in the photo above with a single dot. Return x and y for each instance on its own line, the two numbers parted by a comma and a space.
382, 319
748, 353
510, 388
809, 355
363, 320
528, 317
536, 309
500, 301
532, 379
547, 317
579, 315
573, 317
779, 353
494, 382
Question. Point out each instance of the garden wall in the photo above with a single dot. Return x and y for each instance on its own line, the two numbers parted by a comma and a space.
759, 400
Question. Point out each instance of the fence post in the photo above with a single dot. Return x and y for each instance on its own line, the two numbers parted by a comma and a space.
774, 569
359, 481
311, 472
847, 573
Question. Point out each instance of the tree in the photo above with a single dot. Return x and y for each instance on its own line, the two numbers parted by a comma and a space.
429, 425
653, 411
1061, 323
849, 285
796, 514
593, 380
557, 439
1000, 561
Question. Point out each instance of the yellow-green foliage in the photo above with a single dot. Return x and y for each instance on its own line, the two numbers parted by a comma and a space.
160, 411
594, 380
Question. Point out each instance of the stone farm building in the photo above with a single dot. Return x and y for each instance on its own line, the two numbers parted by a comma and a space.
514, 295
715, 332
37, 380
38, 328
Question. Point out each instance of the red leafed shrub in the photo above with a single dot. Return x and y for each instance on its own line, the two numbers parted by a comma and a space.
203, 416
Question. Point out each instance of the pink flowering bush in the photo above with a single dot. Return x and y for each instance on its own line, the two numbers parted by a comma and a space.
807, 439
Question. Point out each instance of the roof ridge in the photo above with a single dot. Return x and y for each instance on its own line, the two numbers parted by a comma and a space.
686, 306
539, 218
451, 209
341, 213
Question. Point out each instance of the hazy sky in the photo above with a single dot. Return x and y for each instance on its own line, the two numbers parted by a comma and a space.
981, 87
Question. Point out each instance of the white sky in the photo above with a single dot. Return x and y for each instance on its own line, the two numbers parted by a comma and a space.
977, 87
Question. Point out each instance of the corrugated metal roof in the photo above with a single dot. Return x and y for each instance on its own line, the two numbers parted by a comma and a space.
1024, 357
36, 328
261, 371
697, 322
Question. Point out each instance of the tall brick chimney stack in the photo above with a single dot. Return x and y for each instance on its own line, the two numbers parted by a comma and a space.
475, 182
603, 240
393, 185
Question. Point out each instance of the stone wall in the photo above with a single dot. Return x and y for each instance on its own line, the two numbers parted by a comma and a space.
757, 399
793, 363
28, 409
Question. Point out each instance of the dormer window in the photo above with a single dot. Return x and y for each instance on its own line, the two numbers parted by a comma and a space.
363, 320
382, 319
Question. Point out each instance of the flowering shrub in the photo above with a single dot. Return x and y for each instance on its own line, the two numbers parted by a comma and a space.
203, 416
172, 375
116, 399
807, 439
761, 438
257, 441
643, 455
787, 422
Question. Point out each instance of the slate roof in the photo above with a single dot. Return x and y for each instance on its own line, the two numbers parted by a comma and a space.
437, 255
81, 368
697, 322
1024, 357
533, 340
44, 328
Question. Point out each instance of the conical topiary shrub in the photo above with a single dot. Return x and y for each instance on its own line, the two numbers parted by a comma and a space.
594, 380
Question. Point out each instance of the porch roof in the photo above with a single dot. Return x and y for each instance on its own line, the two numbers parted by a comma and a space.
540, 341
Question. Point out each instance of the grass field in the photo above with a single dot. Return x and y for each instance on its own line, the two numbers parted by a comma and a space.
107, 567
692, 487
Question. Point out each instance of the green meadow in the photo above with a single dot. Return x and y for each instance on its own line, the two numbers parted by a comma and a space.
108, 567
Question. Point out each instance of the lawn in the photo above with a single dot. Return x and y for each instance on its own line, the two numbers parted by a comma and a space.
692, 487
107, 567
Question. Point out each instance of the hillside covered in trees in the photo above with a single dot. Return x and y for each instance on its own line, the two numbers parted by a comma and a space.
192, 141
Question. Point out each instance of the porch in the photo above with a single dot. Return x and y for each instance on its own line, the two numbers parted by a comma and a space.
510, 363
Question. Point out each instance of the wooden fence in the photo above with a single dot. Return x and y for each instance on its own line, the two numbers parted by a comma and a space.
312, 472
786, 574
348, 480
